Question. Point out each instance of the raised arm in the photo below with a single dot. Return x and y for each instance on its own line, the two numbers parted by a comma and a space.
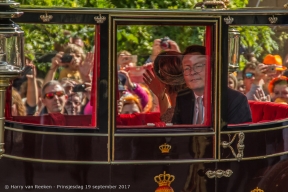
56, 62
86, 67
32, 90
158, 88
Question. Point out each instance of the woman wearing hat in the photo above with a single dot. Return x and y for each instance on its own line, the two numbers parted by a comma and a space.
165, 81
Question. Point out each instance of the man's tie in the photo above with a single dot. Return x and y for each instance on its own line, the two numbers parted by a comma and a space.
200, 110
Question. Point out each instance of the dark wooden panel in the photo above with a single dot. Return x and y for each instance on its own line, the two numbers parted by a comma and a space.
147, 148
54, 177
56, 147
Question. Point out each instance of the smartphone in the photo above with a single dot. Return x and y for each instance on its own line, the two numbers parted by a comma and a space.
271, 69
79, 88
66, 58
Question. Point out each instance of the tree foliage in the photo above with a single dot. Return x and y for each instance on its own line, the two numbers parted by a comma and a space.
139, 39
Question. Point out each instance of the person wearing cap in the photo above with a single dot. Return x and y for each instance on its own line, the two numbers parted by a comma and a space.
278, 88
271, 68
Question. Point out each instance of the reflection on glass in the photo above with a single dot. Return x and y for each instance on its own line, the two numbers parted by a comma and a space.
151, 82
56, 81
262, 72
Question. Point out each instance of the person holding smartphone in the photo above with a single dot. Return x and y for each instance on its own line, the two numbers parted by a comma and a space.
76, 65
264, 72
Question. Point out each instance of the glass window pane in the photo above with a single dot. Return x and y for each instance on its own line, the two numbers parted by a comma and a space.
56, 83
262, 74
164, 80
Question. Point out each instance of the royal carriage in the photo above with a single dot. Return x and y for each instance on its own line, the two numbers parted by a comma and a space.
107, 151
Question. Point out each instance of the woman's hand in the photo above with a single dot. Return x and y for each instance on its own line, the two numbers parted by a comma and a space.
260, 96
56, 61
32, 73
173, 46
129, 83
86, 67
148, 66
156, 49
156, 86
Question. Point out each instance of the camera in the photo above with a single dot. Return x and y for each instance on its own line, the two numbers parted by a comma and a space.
79, 88
27, 71
164, 43
66, 58
271, 69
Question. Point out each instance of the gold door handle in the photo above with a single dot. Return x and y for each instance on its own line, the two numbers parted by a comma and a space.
240, 145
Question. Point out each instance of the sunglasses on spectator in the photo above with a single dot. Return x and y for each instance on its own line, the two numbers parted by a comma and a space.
249, 75
51, 95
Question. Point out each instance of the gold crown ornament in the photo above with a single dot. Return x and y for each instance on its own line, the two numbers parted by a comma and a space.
165, 148
257, 190
228, 20
46, 18
100, 19
164, 181
273, 19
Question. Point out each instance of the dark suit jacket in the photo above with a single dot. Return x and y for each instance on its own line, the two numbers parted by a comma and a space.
238, 108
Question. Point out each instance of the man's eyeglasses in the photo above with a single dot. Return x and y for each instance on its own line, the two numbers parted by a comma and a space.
196, 68
51, 95
249, 75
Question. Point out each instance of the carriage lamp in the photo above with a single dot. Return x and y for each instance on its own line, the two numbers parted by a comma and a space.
233, 48
11, 55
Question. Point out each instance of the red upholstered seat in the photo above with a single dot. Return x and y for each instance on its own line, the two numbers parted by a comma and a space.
261, 112
59, 119
138, 118
267, 111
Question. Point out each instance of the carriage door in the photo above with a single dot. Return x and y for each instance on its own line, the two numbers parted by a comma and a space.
147, 73
256, 151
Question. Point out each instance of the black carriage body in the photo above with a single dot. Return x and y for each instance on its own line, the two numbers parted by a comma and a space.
110, 157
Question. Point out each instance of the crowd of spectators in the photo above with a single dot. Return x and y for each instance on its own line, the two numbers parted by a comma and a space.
68, 94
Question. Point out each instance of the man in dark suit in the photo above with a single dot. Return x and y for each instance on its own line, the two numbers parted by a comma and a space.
189, 102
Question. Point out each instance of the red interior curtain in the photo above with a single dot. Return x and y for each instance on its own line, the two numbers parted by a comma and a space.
208, 95
8, 103
96, 75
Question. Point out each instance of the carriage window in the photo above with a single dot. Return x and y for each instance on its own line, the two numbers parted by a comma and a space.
262, 74
164, 77
55, 86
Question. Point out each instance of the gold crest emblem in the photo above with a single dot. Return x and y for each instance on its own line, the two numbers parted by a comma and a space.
164, 181
165, 148
257, 190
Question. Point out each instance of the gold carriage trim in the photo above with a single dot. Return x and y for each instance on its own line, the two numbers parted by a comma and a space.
165, 148
257, 190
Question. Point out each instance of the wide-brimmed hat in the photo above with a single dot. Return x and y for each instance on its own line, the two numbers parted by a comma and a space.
274, 60
169, 59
